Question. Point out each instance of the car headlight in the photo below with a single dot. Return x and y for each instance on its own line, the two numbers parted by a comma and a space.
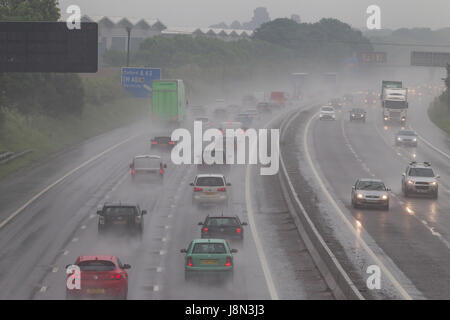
399, 139
414, 139
353, 114
433, 183
359, 196
410, 182
384, 197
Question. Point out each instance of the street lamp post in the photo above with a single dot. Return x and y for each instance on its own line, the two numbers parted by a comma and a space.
128, 46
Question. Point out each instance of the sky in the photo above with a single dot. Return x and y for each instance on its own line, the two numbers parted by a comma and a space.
395, 14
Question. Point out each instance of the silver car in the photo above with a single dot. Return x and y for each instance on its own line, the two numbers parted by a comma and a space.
327, 113
419, 178
370, 192
210, 189
406, 137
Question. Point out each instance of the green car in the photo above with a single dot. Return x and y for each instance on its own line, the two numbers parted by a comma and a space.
208, 257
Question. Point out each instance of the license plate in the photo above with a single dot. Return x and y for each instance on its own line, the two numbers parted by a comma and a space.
210, 193
95, 291
209, 261
120, 222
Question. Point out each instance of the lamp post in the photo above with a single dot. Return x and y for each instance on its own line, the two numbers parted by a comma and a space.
128, 45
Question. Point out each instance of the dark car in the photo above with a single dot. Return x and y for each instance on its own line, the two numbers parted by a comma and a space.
162, 143
115, 217
147, 165
222, 227
406, 137
264, 107
358, 114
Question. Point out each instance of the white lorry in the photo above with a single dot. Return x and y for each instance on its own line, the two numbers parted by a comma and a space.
395, 104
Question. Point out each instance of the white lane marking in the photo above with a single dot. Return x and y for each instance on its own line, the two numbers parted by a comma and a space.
83, 227
159, 269
259, 250
156, 288
43, 289
66, 252
74, 239
55, 269
71, 172
351, 227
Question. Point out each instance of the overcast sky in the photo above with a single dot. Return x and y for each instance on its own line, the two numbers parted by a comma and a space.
202, 13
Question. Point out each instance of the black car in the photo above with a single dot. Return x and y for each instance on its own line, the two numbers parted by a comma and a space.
222, 227
115, 217
264, 107
162, 143
358, 114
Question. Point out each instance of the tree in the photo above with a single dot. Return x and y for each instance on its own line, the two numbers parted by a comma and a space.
29, 10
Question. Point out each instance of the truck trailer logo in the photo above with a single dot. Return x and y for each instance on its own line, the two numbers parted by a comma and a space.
229, 147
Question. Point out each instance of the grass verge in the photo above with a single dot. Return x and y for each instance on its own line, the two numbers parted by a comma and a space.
46, 135
439, 113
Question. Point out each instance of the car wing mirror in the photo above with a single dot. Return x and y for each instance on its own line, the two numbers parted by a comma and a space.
403, 174
234, 250
131, 166
183, 251
228, 184
165, 166
99, 212
388, 189
244, 223
191, 184
144, 212
438, 176
126, 266
200, 223
353, 187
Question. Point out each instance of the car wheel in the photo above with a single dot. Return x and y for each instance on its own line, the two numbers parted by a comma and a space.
405, 192
435, 195
187, 277
386, 207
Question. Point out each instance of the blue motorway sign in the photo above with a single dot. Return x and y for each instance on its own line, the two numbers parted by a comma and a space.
138, 81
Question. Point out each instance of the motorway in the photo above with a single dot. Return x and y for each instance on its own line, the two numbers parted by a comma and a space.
48, 218
414, 235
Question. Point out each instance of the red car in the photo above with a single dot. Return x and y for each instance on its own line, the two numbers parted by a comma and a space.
100, 277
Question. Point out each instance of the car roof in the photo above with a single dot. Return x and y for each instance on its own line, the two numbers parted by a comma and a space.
221, 217
148, 156
371, 180
96, 257
210, 175
209, 240
420, 165
120, 204
406, 131
326, 107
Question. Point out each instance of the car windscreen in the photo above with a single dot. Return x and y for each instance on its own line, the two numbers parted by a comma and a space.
371, 185
96, 265
119, 211
210, 181
327, 109
209, 248
163, 139
222, 222
146, 163
421, 172
395, 104
406, 133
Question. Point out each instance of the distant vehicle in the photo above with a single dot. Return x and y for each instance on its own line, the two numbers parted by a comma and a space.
358, 114
419, 178
253, 113
327, 113
370, 192
168, 100
197, 110
206, 123
116, 217
222, 227
147, 165
101, 277
162, 143
264, 107
249, 100
406, 137
278, 98
394, 101
348, 99
336, 103
300, 81
209, 257
370, 99
245, 118
220, 113
210, 189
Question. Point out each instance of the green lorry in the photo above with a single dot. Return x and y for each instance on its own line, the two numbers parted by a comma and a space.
168, 100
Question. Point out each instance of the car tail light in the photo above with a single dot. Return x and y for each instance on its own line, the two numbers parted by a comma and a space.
132, 171
116, 276
171, 142
205, 229
238, 230
189, 262
154, 142
161, 171
228, 263
196, 189
223, 189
